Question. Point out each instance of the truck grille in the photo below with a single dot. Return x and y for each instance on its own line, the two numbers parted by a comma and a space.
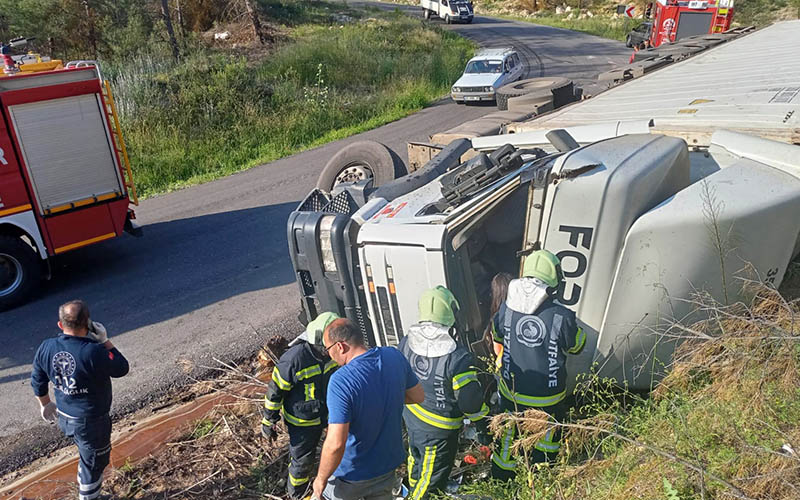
313, 202
386, 315
342, 203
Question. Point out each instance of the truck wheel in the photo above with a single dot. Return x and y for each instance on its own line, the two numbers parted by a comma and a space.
361, 160
426, 14
560, 88
502, 101
20, 271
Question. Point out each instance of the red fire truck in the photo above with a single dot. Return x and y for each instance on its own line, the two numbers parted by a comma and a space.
671, 20
65, 179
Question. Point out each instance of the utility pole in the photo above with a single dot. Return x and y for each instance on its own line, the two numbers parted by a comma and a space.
92, 32
168, 21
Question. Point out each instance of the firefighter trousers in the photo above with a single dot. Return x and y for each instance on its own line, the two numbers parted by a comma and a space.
92, 436
430, 460
303, 443
545, 450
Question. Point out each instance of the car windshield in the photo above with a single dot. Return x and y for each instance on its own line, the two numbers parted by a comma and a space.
483, 66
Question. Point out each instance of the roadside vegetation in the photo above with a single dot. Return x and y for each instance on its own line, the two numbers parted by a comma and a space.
214, 95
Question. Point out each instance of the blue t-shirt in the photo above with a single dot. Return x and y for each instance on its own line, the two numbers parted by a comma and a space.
369, 394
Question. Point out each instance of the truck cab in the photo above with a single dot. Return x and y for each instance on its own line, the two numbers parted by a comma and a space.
451, 11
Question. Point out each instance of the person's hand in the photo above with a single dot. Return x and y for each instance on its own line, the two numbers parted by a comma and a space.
97, 332
49, 412
318, 488
269, 433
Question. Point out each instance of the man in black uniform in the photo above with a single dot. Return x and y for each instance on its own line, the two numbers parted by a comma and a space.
297, 389
80, 363
537, 334
449, 378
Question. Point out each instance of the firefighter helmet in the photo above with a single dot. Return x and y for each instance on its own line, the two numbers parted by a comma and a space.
543, 265
315, 329
438, 305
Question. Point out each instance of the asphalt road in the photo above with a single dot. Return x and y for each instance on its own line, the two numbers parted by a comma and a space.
211, 276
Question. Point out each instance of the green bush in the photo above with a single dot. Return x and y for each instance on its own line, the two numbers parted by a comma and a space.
213, 114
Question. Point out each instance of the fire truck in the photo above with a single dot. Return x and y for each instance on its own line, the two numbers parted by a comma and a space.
671, 20
65, 178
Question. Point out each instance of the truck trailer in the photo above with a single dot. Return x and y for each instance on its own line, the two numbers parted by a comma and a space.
654, 205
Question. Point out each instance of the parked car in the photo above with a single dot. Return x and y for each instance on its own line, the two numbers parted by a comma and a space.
488, 70
639, 36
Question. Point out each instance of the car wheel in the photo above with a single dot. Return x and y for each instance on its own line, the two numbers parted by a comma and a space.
20, 271
360, 161
628, 42
447, 19
469, 20
426, 14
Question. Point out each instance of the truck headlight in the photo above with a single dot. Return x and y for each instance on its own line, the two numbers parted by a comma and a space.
325, 247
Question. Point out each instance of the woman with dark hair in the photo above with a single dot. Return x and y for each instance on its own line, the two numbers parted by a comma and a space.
499, 291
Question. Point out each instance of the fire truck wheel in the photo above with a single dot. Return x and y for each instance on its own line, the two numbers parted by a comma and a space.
359, 161
20, 271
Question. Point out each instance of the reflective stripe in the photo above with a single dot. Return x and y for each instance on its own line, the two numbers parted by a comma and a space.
463, 379
580, 340
297, 481
479, 414
266, 422
310, 391
300, 422
427, 471
495, 336
533, 401
434, 419
410, 466
272, 405
91, 496
87, 488
330, 365
311, 371
282, 384
504, 459
546, 444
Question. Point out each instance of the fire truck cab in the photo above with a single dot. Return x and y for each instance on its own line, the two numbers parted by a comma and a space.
676, 19
65, 179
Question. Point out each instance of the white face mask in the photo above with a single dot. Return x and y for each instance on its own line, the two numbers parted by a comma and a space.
525, 295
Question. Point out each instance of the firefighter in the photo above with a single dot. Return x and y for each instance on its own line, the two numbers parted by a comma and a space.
452, 392
537, 333
297, 390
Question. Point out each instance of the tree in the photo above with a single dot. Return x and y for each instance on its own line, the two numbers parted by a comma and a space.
168, 21
257, 29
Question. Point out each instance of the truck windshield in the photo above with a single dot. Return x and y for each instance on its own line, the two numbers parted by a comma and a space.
484, 67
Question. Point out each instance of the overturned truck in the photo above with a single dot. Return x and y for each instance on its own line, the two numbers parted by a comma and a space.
647, 201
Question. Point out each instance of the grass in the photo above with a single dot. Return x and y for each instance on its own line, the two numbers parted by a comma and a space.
214, 114
714, 428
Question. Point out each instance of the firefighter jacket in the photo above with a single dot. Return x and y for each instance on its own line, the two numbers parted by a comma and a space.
297, 389
535, 346
448, 375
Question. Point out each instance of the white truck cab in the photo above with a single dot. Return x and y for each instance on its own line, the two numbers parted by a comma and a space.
451, 11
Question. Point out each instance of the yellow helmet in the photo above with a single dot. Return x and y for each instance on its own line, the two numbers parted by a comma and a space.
438, 305
543, 265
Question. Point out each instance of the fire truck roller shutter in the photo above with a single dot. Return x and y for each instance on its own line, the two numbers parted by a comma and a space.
66, 148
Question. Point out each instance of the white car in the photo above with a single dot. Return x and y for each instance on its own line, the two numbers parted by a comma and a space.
487, 71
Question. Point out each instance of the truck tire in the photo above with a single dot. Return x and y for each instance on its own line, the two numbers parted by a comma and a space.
361, 160
426, 14
560, 88
20, 271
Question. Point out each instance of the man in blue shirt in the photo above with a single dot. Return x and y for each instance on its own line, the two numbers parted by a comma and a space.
80, 363
364, 444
